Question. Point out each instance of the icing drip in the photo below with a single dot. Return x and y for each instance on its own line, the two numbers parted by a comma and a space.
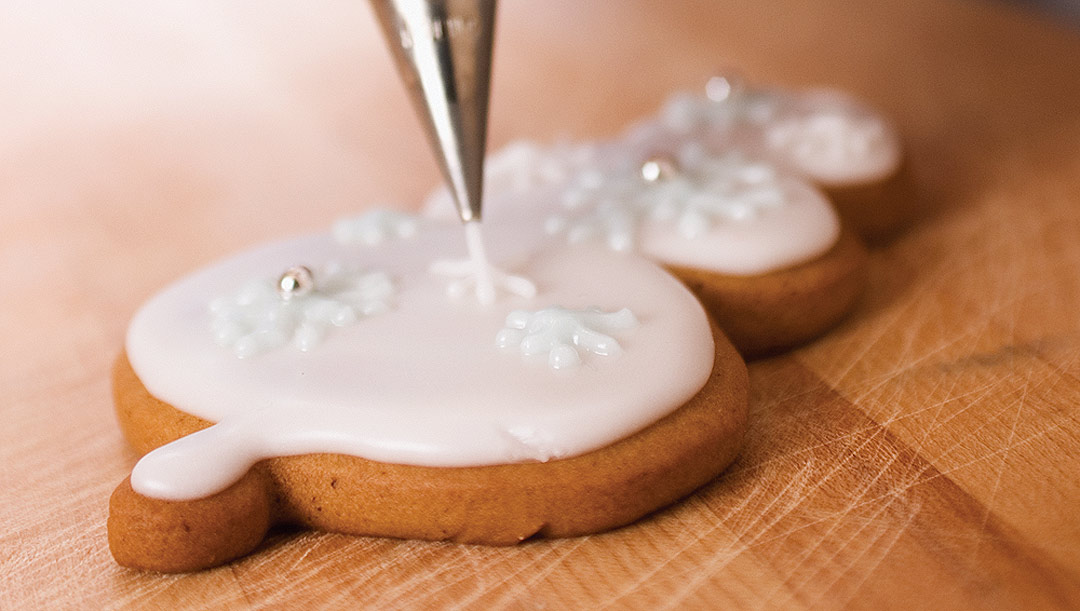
560, 333
374, 227
477, 272
529, 443
218, 456
256, 318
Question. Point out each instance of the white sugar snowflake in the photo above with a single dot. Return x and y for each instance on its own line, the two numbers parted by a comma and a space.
706, 191
686, 114
832, 138
375, 227
256, 318
561, 333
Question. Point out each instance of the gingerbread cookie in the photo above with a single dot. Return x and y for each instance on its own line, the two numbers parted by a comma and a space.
825, 136
357, 394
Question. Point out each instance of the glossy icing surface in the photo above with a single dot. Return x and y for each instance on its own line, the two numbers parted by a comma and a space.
422, 383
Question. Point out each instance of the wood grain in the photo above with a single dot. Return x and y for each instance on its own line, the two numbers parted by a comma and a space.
924, 454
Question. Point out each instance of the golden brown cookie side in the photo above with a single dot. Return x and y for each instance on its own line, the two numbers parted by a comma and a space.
494, 505
782, 309
174, 537
876, 210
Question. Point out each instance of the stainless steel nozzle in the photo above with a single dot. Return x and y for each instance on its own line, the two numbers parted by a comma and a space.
442, 49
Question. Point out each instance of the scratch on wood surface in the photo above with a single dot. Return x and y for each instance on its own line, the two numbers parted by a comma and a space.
720, 557
1009, 444
564, 549
857, 499
844, 516
869, 570
787, 499
452, 571
897, 472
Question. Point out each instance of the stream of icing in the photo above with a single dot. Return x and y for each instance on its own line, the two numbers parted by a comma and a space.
481, 267
476, 271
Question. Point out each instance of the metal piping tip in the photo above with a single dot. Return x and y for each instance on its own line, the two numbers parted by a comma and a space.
442, 49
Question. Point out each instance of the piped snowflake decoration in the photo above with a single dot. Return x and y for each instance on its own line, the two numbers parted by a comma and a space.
375, 227
702, 192
258, 318
727, 103
829, 137
562, 333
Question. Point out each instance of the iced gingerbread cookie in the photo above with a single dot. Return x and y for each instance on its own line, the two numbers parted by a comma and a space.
341, 382
831, 139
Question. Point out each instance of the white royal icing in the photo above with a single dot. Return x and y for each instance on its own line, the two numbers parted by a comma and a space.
422, 383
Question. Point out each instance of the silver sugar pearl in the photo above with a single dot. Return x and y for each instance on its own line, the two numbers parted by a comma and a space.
724, 87
658, 168
297, 281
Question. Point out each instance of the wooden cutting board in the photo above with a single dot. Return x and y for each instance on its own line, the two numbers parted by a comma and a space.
925, 454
